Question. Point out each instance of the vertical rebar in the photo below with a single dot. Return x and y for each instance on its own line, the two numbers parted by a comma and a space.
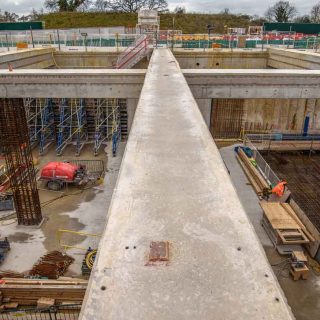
16, 144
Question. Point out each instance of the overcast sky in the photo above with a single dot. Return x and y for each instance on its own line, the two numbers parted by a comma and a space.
212, 6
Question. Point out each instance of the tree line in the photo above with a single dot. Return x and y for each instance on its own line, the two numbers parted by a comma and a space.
281, 11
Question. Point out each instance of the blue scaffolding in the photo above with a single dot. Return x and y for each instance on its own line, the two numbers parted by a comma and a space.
47, 133
40, 119
107, 124
72, 127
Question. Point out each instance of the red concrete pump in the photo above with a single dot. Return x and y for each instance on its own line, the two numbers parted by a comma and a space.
58, 174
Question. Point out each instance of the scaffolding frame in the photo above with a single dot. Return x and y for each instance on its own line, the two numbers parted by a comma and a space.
107, 123
40, 120
72, 127
75, 122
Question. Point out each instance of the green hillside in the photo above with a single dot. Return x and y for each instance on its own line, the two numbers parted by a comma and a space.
188, 23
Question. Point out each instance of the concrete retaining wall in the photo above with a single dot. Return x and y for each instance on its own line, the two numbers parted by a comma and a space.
293, 59
221, 59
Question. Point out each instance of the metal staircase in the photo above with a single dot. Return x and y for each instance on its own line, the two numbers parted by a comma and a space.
134, 53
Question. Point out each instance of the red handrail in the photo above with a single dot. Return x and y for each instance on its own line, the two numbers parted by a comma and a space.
134, 48
144, 47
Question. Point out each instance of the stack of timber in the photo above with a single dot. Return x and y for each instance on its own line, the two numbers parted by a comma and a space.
11, 274
283, 225
29, 292
257, 181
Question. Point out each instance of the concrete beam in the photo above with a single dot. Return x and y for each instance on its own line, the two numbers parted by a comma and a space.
173, 186
71, 83
293, 59
28, 58
252, 84
204, 84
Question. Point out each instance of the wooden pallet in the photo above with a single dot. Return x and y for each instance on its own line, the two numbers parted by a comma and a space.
282, 224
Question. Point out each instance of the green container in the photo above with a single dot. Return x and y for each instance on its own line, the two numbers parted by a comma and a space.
21, 26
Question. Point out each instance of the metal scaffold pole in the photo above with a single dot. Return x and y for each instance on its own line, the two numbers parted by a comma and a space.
40, 119
16, 144
72, 125
107, 123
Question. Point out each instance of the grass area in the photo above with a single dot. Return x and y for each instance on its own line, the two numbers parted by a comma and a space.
188, 23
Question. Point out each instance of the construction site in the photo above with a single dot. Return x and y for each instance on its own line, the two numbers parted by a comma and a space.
157, 175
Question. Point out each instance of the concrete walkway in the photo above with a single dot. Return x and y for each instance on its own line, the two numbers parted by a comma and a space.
173, 186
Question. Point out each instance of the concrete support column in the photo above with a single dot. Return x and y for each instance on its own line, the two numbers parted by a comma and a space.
131, 109
205, 106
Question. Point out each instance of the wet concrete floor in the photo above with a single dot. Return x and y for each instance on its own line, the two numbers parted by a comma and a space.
72, 209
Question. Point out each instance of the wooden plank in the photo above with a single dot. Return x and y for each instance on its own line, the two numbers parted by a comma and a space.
278, 216
41, 282
255, 186
292, 213
263, 184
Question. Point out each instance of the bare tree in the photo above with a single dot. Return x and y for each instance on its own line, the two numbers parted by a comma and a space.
131, 5
282, 11
179, 10
315, 13
66, 5
24, 18
7, 16
303, 19
100, 5
225, 11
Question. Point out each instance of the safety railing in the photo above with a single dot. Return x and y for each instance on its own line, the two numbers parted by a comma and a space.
71, 38
62, 312
137, 49
262, 164
285, 142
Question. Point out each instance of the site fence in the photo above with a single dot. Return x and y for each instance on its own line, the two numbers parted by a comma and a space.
63, 312
105, 38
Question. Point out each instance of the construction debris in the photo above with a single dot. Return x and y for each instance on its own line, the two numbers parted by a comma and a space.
33, 292
52, 265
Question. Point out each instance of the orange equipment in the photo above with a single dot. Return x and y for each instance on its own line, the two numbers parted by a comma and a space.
280, 188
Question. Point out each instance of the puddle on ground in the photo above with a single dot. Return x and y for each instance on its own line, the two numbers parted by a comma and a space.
20, 237
67, 203
57, 222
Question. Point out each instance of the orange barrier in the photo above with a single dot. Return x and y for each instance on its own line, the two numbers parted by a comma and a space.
22, 45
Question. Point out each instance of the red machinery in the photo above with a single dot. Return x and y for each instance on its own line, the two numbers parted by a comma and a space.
60, 173
76, 172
